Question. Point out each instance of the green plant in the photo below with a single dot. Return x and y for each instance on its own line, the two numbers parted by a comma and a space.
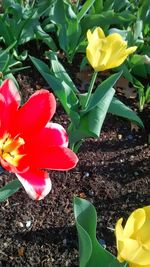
9, 64
91, 252
20, 24
86, 118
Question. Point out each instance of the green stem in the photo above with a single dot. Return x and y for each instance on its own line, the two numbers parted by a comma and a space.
90, 88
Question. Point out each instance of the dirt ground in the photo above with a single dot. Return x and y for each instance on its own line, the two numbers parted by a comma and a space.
113, 173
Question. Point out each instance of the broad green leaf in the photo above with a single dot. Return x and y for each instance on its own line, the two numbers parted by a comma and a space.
91, 122
105, 19
101, 91
42, 35
60, 72
5, 32
97, 115
60, 87
68, 27
53, 82
120, 109
9, 189
40, 65
91, 253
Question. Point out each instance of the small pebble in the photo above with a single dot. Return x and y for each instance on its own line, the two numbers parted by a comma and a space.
20, 224
28, 224
102, 242
86, 174
119, 136
65, 242
91, 193
130, 137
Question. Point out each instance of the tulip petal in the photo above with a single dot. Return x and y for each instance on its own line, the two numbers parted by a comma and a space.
53, 135
93, 53
133, 242
53, 158
2, 116
134, 223
10, 101
35, 113
131, 50
100, 33
36, 183
130, 249
106, 52
10, 92
89, 35
141, 255
144, 232
119, 238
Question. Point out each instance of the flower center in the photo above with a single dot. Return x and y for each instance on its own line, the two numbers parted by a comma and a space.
9, 149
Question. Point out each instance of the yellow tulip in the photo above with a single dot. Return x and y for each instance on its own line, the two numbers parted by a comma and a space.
133, 241
106, 52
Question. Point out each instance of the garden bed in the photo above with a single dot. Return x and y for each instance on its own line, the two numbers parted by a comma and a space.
112, 173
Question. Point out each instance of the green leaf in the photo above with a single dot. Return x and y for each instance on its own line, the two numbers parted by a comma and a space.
91, 253
140, 65
91, 122
60, 72
53, 82
69, 29
46, 38
120, 109
5, 32
9, 189
97, 115
60, 82
104, 19
101, 91
84, 9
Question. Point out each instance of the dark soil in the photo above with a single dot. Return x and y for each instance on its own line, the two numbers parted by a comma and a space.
113, 173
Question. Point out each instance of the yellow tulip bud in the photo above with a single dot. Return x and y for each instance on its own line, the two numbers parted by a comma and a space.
133, 241
106, 52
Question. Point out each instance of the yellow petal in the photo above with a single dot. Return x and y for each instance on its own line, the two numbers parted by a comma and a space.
134, 223
93, 53
131, 50
115, 37
100, 33
144, 232
129, 250
119, 238
106, 52
89, 35
141, 257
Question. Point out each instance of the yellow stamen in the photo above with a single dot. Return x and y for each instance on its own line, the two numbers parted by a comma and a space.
9, 149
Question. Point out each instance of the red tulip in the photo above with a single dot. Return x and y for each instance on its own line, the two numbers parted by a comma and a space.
30, 143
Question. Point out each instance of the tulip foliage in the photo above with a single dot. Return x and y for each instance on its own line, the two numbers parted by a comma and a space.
86, 111
29, 142
91, 252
